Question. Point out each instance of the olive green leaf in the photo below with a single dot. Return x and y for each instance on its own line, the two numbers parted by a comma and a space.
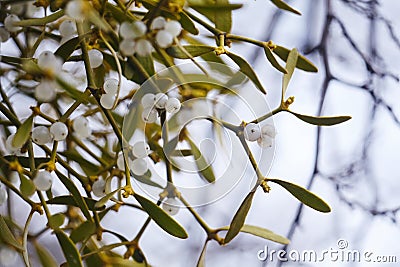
282, 5
146, 179
322, 121
204, 168
45, 258
302, 63
7, 236
202, 259
271, 58
290, 66
247, 70
69, 249
239, 218
102, 201
66, 49
161, 218
23, 133
194, 50
70, 201
56, 220
83, 231
261, 232
306, 197
187, 23
27, 187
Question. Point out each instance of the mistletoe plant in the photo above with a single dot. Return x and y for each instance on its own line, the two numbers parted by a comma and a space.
78, 133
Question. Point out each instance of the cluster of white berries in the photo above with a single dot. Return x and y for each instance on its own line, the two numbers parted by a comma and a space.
3, 195
152, 102
166, 31
171, 206
264, 136
81, 127
133, 40
42, 135
46, 90
107, 100
67, 30
140, 150
43, 180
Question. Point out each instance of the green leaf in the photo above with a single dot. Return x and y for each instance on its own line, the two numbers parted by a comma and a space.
161, 218
271, 58
305, 196
75, 194
282, 5
83, 231
239, 218
45, 258
194, 50
56, 220
302, 63
322, 121
67, 48
261, 232
70, 201
290, 66
102, 201
23, 132
27, 187
69, 249
7, 236
247, 70
171, 145
146, 179
187, 23
204, 168
202, 259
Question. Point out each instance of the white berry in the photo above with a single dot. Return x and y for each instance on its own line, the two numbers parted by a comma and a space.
8, 256
59, 131
41, 135
158, 23
139, 166
9, 146
110, 86
139, 29
4, 35
9, 23
127, 47
161, 100
171, 206
95, 58
81, 127
77, 9
125, 30
164, 39
43, 180
149, 115
45, 91
67, 28
173, 27
143, 47
3, 195
148, 100
173, 105
107, 101
140, 149
252, 132
268, 130
99, 188
49, 62
264, 141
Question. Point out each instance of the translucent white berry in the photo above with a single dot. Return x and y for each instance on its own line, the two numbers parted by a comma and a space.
252, 132
164, 39
173, 27
120, 161
139, 166
95, 58
107, 101
67, 28
158, 23
41, 135
3, 195
8, 256
173, 105
110, 86
9, 23
9, 146
4, 35
161, 100
43, 180
45, 91
127, 47
143, 47
77, 9
59, 131
49, 62
149, 115
148, 100
264, 141
171, 206
268, 130
81, 127
140, 149
99, 188
125, 30
139, 29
